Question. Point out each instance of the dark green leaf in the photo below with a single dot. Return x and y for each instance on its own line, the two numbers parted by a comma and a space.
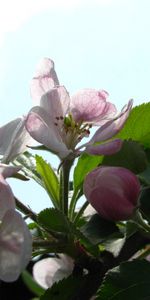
130, 280
49, 178
86, 163
131, 156
145, 203
65, 289
145, 175
137, 126
20, 177
97, 230
31, 284
53, 219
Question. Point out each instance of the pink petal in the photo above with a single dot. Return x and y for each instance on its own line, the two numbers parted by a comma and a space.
89, 105
6, 197
106, 148
15, 246
45, 132
56, 102
111, 128
44, 79
50, 270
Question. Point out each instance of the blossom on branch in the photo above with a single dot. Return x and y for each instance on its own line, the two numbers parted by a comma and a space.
113, 192
60, 122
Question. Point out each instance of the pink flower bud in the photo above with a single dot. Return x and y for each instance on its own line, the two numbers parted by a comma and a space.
113, 192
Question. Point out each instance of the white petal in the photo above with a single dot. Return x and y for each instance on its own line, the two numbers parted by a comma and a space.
6, 197
13, 139
8, 171
56, 102
45, 79
42, 129
49, 270
15, 246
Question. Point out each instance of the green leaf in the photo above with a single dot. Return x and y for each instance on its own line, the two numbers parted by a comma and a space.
49, 178
86, 163
130, 280
131, 156
145, 175
53, 219
97, 230
137, 126
31, 284
65, 289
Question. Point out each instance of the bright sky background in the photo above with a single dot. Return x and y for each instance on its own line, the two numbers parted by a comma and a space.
103, 44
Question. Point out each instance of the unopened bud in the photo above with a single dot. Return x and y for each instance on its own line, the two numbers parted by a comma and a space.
113, 192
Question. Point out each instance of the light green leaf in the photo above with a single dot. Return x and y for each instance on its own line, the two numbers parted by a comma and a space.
49, 178
32, 285
137, 126
86, 163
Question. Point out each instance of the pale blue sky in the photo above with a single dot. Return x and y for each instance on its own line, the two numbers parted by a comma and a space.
95, 44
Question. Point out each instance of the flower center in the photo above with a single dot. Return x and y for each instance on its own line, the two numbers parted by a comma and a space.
70, 131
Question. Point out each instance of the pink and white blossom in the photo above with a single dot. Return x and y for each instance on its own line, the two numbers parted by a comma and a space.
60, 122
113, 192
15, 238
14, 139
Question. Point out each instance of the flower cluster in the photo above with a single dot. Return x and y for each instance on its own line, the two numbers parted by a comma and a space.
62, 124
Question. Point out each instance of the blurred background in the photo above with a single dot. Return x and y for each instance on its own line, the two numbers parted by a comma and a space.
103, 44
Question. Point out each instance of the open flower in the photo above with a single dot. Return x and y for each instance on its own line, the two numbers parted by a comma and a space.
15, 238
113, 192
50, 270
14, 139
60, 122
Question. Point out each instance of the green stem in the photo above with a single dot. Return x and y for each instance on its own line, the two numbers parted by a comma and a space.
80, 212
25, 210
64, 185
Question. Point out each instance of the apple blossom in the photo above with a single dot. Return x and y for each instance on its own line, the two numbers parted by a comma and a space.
13, 139
15, 238
60, 122
50, 270
113, 192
